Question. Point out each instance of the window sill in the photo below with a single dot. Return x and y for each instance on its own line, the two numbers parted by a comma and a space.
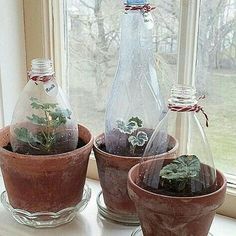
225, 209
87, 223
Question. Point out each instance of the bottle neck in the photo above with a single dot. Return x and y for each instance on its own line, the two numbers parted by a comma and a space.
183, 96
135, 36
41, 69
183, 99
136, 2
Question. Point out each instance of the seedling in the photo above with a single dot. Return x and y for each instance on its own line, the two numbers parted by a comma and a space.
180, 173
135, 137
46, 137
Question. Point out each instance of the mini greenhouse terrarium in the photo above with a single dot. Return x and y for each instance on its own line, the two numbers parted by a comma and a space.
185, 190
134, 109
43, 122
43, 160
192, 173
135, 104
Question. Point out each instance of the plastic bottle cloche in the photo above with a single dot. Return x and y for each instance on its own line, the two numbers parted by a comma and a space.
43, 122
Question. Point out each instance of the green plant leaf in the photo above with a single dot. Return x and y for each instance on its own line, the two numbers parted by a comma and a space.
36, 104
139, 140
33, 99
25, 135
47, 106
40, 137
65, 112
37, 120
22, 134
138, 121
54, 116
126, 128
59, 116
183, 167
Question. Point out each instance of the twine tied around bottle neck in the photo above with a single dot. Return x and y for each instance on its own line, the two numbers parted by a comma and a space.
196, 108
40, 78
144, 8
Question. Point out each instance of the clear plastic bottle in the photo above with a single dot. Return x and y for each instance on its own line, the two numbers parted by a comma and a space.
192, 173
135, 104
43, 122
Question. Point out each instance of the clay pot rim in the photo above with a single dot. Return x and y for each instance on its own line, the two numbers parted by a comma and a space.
174, 198
15, 155
109, 155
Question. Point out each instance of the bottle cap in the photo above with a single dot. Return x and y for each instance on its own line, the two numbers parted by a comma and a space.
136, 2
42, 66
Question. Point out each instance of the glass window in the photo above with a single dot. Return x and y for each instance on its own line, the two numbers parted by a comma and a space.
92, 30
93, 33
216, 77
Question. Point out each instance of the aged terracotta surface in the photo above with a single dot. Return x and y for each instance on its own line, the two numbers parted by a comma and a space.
113, 173
48, 182
174, 216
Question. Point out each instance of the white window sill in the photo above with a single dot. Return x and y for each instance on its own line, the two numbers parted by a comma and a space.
87, 223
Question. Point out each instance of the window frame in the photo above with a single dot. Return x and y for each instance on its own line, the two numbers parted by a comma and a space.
187, 54
54, 35
1, 102
12, 68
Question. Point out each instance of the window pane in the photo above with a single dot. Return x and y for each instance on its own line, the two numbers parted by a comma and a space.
216, 71
92, 30
93, 34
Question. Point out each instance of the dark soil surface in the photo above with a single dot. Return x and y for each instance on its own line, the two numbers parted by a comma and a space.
81, 143
151, 181
120, 145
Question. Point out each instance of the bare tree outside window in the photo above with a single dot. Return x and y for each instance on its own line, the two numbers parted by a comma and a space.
93, 32
216, 77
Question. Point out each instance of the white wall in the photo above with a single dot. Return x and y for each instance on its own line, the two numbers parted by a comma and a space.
12, 56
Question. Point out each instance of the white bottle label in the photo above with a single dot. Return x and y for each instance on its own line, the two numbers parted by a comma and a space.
51, 88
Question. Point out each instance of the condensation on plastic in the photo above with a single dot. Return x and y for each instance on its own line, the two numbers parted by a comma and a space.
135, 91
65, 135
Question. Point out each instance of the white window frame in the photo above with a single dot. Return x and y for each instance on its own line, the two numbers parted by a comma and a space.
12, 58
187, 55
53, 35
48, 16
1, 102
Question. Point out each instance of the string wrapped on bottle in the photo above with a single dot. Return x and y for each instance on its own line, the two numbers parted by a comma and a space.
196, 108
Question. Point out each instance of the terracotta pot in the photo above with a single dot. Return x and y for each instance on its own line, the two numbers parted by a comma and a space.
45, 183
174, 216
113, 174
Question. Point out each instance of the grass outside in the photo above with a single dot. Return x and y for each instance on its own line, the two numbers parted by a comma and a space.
220, 105
221, 109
